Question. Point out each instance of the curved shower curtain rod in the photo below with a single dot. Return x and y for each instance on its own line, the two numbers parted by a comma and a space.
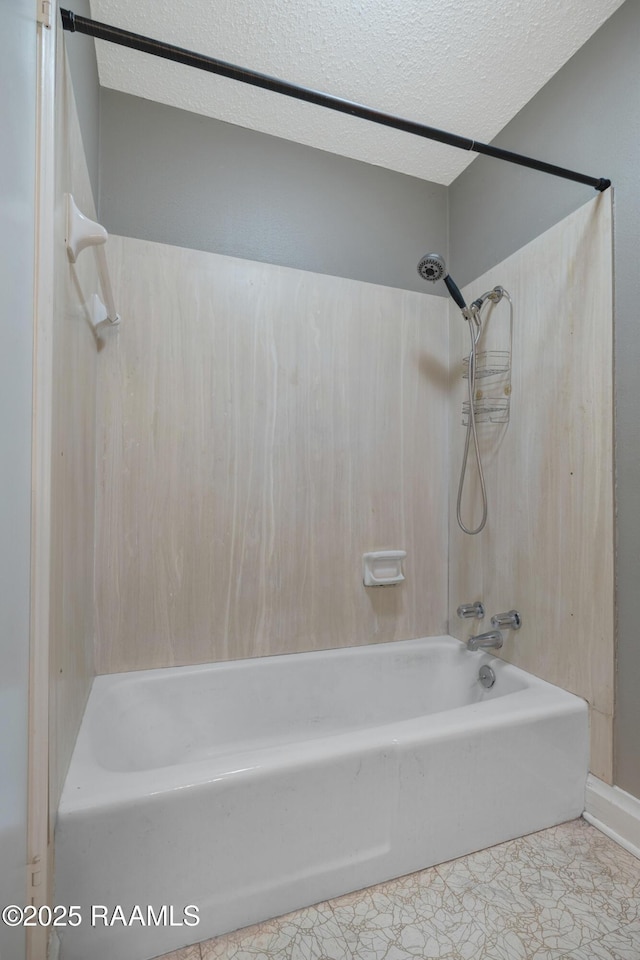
102, 31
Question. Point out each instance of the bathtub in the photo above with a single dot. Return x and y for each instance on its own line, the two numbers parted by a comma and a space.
250, 788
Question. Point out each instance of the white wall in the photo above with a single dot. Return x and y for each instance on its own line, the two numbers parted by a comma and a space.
17, 212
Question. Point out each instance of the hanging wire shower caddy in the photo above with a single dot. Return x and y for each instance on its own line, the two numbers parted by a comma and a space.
492, 397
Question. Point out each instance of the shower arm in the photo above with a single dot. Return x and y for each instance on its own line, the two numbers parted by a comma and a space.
135, 41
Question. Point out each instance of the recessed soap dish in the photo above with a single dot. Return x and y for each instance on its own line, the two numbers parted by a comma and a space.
383, 568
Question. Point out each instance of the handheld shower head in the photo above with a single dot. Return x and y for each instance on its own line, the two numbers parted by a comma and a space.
432, 267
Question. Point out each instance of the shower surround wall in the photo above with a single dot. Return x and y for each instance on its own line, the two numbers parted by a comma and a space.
259, 429
547, 548
73, 451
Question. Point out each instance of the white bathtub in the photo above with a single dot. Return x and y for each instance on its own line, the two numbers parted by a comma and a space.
251, 788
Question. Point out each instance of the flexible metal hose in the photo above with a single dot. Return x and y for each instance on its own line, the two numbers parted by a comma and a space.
471, 431
473, 317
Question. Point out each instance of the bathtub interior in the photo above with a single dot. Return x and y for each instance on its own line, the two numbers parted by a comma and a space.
160, 718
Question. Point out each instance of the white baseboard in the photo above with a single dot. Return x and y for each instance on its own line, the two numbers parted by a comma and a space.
614, 812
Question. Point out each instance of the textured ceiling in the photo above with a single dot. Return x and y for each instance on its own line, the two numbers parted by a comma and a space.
466, 66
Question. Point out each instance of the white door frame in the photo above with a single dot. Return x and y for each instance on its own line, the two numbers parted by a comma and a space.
39, 829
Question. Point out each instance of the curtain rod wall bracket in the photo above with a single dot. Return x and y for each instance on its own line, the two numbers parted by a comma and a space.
68, 20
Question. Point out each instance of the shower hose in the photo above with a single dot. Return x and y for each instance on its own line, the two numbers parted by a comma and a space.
473, 316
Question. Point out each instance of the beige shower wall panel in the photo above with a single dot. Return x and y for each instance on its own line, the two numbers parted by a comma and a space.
260, 428
547, 548
73, 438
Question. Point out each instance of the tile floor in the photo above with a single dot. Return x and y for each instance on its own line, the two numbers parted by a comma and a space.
568, 892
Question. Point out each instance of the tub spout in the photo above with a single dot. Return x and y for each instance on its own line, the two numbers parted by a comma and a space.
486, 641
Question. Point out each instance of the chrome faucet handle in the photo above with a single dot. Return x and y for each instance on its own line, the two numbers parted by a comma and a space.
471, 611
507, 621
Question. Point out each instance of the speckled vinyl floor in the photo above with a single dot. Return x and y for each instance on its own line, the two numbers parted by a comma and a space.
567, 892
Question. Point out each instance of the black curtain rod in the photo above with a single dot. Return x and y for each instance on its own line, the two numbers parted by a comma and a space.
102, 31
